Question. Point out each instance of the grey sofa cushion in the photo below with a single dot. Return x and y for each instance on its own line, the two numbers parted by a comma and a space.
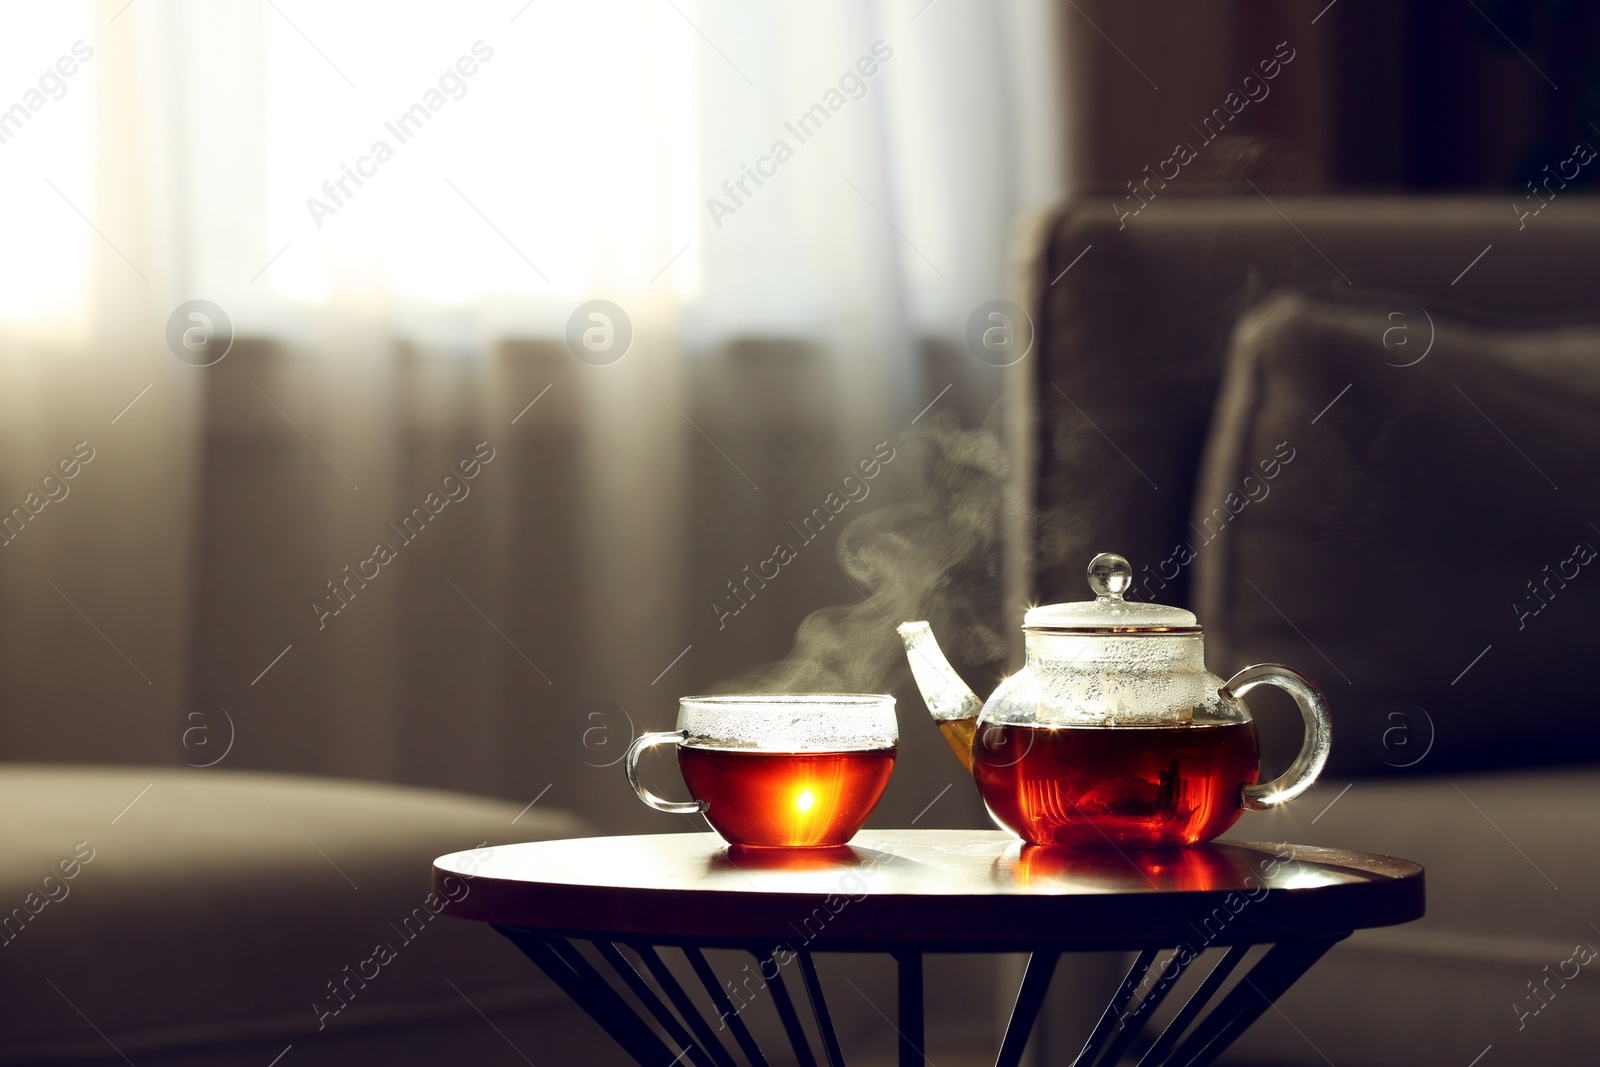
1132, 339
199, 913
1427, 547
1511, 862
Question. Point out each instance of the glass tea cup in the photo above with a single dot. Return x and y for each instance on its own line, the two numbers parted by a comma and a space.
797, 770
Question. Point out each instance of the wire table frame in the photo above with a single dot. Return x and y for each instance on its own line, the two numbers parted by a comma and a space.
607, 918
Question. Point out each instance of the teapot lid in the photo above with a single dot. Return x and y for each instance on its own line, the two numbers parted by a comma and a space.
1108, 612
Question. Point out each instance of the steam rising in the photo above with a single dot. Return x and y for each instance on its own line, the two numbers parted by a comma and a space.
935, 557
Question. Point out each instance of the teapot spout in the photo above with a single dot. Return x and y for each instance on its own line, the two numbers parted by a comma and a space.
953, 706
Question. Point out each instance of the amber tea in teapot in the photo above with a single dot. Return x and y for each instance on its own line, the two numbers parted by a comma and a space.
1135, 785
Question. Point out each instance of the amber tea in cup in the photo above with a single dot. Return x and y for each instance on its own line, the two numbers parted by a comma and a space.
796, 770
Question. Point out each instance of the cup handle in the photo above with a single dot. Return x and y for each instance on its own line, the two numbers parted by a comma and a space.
1319, 732
637, 749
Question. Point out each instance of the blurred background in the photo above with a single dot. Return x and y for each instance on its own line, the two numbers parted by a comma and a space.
378, 328
432, 379
382, 330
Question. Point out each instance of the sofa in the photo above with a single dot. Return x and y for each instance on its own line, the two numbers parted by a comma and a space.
207, 917
1357, 435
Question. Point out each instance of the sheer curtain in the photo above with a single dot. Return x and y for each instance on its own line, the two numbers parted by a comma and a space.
404, 212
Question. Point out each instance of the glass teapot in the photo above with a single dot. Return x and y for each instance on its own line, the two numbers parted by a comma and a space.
1114, 733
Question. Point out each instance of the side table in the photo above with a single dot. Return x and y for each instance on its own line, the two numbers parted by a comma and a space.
911, 892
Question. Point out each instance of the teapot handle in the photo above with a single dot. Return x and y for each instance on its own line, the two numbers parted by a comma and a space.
1319, 732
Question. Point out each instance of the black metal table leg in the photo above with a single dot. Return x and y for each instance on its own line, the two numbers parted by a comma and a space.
653, 1003
594, 995
1133, 1018
1030, 998
785, 1007
1273, 974
1119, 1003
681, 1001
719, 997
1195, 1004
819, 1011
910, 1024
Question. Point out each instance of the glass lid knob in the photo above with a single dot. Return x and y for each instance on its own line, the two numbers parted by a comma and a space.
1109, 576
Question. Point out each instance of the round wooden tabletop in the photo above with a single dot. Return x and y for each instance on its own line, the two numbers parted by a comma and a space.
935, 890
